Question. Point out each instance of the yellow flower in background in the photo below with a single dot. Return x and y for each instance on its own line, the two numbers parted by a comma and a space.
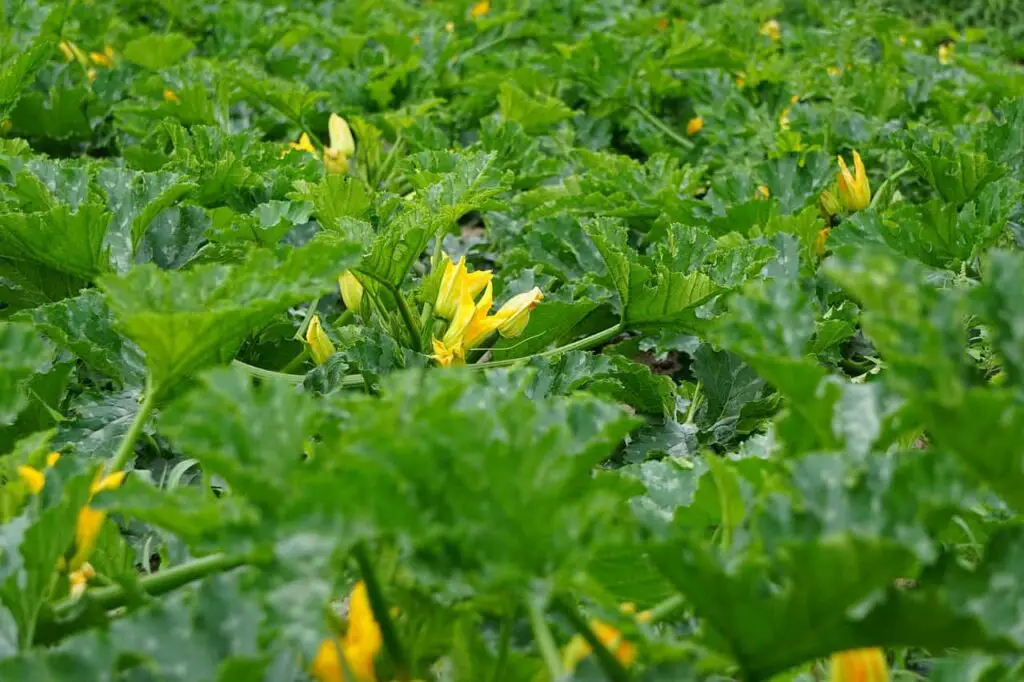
695, 125
480, 9
513, 317
946, 51
449, 27
351, 290
342, 147
859, 665
819, 241
319, 343
358, 647
170, 96
104, 59
33, 478
854, 189
833, 71
762, 192
90, 520
771, 29
577, 649
66, 49
481, 324
449, 295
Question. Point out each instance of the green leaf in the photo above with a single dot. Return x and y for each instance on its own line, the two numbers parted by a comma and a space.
184, 321
535, 113
957, 172
84, 326
727, 384
18, 73
22, 354
1001, 297
68, 241
651, 292
156, 52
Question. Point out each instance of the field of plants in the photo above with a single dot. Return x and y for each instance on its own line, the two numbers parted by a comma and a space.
525, 341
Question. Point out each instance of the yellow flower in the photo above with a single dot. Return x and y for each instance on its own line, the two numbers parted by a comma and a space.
449, 27
33, 478
445, 355
303, 145
819, 242
90, 520
829, 205
513, 317
762, 192
357, 648
854, 190
66, 50
319, 343
342, 145
104, 59
78, 580
170, 96
859, 665
833, 71
771, 29
946, 53
481, 324
351, 290
695, 125
577, 649
480, 9
450, 292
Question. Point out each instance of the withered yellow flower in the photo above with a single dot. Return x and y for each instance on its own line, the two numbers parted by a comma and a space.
342, 147
695, 125
513, 317
356, 650
319, 343
171, 96
854, 189
78, 580
946, 51
104, 59
577, 649
858, 665
351, 290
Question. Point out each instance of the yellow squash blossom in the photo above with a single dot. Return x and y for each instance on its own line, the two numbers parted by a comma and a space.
763, 192
355, 651
33, 478
946, 53
104, 59
829, 205
66, 50
303, 145
451, 349
695, 125
859, 665
771, 29
342, 146
351, 291
449, 27
513, 317
319, 343
854, 190
90, 520
78, 580
171, 96
450, 293
480, 9
577, 649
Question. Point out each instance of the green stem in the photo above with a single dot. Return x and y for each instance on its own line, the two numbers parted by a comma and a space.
695, 402
387, 167
611, 666
504, 638
126, 450
541, 632
300, 333
296, 379
67, 616
665, 608
410, 322
379, 606
581, 344
661, 125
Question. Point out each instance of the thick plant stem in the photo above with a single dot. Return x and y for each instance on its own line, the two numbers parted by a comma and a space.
410, 321
67, 616
662, 126
127, 448
381, 613
611, 666
541, 632
581, 344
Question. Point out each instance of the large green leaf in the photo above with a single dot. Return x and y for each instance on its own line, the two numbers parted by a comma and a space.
22, 354
68, 241
184, 321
